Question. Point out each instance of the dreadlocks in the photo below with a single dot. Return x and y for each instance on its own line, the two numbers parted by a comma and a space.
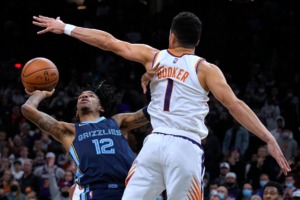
108, 96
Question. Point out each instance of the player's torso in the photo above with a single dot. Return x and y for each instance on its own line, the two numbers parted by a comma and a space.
101, 152
177, 98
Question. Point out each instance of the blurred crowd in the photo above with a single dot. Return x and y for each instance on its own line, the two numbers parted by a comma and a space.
254, 44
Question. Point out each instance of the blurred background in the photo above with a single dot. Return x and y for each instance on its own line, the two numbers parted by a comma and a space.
254, 42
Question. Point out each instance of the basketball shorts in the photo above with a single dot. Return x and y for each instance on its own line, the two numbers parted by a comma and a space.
171, 161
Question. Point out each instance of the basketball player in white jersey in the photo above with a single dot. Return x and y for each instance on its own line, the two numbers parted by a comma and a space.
172, 156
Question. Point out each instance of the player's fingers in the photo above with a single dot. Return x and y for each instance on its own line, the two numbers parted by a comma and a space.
57, 18
39, 24
42, 31
144, 87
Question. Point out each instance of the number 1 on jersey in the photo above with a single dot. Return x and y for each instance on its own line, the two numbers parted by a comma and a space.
104, 146
168, 94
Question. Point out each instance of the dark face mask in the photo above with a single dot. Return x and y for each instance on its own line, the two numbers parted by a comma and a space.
14, 188
65, 194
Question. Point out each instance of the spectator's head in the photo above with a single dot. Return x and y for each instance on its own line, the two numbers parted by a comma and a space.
272, 191
24, 152
230, 179
2, 136
18, 165
14, 188
50, 159
235, 153
2, 192
261, 152
31, 196
27, 167
263, 179
255, 197
296, 195
280, 122
247, 190
64, 188
289, 181
224, 168
222, 192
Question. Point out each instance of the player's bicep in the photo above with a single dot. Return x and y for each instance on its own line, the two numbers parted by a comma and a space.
218, 86
135, 52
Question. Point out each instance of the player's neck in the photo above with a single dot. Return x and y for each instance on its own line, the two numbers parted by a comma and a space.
88, 117
181, 50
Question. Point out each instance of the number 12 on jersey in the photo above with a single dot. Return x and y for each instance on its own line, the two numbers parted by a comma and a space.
104, 146
168, 94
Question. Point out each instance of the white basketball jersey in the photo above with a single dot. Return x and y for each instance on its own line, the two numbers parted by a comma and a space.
178, 100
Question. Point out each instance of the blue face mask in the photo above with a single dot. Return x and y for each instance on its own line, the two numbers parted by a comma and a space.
262, 183
247, 192
289, 185
221, 195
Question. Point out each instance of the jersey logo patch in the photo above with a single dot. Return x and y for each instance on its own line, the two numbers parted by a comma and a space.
175, 60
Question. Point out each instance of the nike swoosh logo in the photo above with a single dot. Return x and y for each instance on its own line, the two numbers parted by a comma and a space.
82, 124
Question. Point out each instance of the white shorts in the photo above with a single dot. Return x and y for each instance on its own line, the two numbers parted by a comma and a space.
77, 191
172, 161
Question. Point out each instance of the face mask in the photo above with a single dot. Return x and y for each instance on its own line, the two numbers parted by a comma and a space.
65, 194
289, 185
262, 183
221, 195
247, 192
14, 188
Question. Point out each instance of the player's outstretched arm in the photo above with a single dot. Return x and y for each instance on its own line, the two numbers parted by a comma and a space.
135, 52
128, 121
215, 82
61, 131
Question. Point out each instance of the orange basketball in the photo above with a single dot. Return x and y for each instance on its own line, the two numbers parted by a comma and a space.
39, 74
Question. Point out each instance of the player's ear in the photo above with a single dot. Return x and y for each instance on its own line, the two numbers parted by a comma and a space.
101, 109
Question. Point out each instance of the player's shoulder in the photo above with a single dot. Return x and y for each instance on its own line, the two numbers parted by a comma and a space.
207, 66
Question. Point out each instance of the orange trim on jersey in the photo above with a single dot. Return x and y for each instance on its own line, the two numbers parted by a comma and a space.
155, 59
130, 173
170, 51
195, 191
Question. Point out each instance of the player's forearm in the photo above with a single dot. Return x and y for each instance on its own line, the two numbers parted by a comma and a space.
247, 118
35, 100
97, 38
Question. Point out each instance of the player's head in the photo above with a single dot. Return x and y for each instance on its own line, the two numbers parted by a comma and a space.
185, 30
100, 99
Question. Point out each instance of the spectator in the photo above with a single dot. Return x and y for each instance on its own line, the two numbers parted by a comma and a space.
222, 192
288, 145
255, 197
237, 164
2, 193
29, 182
273, 191
224, 169
232, 186
15, 192
61, 191
43, 173
247, 191
263, 180
280, 126
16, 170
289, 187
6, 180
237, 136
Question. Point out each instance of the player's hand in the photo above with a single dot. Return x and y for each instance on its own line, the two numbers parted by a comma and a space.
276, 152
44, 93
148, 76
50, 24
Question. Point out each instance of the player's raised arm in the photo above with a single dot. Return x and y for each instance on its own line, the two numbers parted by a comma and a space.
214, 81
128, 121
61, 131
141, 53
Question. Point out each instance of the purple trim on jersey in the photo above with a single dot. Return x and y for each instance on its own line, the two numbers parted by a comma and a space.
202, 59
178, 56
186, 138
154, 57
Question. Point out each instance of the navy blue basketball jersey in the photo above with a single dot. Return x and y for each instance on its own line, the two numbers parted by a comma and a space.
101, 152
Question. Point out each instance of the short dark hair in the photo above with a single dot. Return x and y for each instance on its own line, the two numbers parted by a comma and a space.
187, 28
276, 185
108, 95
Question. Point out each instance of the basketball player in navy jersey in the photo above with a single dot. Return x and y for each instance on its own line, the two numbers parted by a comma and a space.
97, 144
172, 156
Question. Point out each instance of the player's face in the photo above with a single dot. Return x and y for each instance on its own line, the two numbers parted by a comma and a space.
87, 101
271, 193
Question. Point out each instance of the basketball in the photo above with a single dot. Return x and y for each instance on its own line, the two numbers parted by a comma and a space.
39, 74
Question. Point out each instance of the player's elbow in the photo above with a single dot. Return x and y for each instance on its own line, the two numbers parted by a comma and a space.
26, 110
235, 106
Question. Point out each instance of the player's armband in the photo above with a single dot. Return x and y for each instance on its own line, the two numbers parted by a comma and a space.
145, 111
